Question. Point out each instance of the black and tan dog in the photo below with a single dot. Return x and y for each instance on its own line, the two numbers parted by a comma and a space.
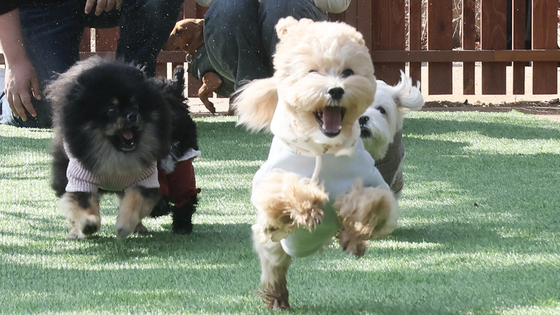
112, 126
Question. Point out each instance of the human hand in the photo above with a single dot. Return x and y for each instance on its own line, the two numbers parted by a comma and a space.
102, 5
20, 78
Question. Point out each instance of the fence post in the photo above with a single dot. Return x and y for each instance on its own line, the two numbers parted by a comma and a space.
385, 19
415, 37
440, 37
518, 29
468, 41
544, 31
493, 37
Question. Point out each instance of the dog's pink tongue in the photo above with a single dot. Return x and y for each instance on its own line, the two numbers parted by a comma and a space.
127, 134
332, 119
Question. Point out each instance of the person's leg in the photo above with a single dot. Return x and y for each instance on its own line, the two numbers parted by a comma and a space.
233, 40
52, 33
240, 36
145, 26
270, 11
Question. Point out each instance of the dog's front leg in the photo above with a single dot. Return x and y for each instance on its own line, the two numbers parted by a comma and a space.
274, 267
210, 83
284, 202
366, 213
81, 210
136, 204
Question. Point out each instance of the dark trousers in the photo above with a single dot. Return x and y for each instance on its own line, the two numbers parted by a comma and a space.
53, 31
240, 37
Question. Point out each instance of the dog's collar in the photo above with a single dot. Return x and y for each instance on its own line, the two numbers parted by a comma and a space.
189, 57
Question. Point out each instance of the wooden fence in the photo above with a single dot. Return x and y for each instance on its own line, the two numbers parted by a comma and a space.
388, 24
395, 31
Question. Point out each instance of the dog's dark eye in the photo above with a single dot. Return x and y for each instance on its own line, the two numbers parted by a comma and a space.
346, 73
381, 110
312, 71
112, 111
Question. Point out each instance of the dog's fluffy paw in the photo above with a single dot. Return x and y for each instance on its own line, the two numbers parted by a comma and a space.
275, 298
366, 213
141, 229
352, 243
75, 234
307, 213
269, 232
284, 201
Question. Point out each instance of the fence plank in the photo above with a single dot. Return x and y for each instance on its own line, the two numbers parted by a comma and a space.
493, 36
519, 23
544, 18
383, 23
415, 37
350, 16
388, 33
106, 39
189, 9
365, 23
440, 36
468, 42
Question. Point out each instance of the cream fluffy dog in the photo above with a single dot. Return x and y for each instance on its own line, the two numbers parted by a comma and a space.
318, 181
381, 125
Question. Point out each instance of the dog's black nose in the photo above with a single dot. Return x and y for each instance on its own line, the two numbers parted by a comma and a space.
132, 118
363, 120
336, 93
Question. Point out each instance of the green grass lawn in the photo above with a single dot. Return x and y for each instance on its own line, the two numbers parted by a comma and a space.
479, 232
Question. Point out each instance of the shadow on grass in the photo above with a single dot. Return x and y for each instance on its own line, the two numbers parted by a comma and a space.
489, 124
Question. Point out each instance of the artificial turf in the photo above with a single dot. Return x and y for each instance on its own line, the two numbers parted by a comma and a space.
479, 232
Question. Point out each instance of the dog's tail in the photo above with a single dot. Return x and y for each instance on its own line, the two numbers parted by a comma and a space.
255, 103
407, 95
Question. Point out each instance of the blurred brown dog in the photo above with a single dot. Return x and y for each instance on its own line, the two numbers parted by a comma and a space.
187, 36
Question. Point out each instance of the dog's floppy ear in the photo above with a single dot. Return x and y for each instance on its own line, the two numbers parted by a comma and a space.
407, 96
285, 24
255, 103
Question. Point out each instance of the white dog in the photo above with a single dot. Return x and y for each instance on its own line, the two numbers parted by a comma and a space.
381, 127
318, 181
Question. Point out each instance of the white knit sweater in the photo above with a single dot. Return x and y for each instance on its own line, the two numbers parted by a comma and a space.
82, 180
337, 174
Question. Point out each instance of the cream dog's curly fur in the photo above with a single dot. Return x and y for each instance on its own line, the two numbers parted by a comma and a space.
318, 181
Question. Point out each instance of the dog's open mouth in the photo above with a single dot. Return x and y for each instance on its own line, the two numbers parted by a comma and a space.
330, 120
125, 139
365, 133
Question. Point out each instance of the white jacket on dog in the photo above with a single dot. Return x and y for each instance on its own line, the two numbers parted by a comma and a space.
337, 174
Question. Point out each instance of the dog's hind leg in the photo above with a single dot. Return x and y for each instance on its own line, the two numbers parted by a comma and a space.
274, 267
284, 201
136, 204
366, 213
81, 210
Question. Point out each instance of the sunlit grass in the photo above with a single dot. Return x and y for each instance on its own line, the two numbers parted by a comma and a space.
479, 232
